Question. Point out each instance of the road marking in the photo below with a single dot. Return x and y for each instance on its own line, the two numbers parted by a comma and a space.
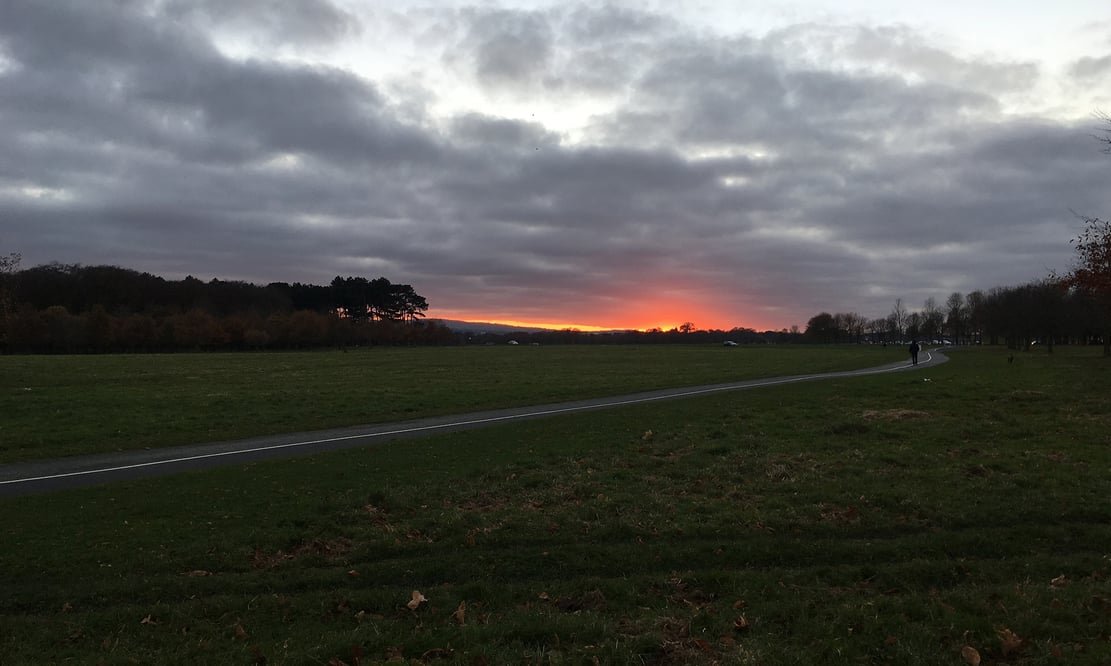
455, 424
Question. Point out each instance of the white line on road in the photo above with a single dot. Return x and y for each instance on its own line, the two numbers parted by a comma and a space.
456, 424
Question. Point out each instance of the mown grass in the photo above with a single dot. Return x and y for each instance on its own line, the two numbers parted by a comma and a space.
56, 406
890, 519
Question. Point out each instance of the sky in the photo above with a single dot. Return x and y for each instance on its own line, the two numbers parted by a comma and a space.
575, 164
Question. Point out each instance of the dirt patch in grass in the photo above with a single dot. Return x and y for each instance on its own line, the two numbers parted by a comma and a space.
893, 414
329, 550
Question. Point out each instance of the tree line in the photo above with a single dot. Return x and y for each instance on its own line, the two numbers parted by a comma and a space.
678, 335
1074, 308
59, 308
1045, 311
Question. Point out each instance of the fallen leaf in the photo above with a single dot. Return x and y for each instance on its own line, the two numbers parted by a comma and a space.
970, 655
460, 613
67, 607
1009, 641
544, 596
352, 573
1059, 581
360, 615
197, 573
741, 623
437, 653
416, 601
647, 435
148, 620
240, 632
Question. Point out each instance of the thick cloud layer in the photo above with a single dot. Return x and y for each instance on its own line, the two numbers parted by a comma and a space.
598, 166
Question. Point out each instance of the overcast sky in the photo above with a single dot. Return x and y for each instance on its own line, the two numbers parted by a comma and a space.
616, 164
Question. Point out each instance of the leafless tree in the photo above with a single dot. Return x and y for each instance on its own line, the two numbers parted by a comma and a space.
956, 319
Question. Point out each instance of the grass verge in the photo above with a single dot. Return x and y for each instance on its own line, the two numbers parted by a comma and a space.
57, 406
903, 519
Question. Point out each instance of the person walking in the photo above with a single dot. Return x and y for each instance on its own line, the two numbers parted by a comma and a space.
914, 349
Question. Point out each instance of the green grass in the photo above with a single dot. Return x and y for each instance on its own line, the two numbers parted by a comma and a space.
884, 519
66, 405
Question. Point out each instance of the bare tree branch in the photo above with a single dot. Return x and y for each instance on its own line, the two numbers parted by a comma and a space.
1105, 137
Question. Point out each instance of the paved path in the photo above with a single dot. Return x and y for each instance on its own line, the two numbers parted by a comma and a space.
48, 475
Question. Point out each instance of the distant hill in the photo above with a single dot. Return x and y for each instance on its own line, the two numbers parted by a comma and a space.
486, 327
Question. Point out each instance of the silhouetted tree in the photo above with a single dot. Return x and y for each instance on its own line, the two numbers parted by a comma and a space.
405, 303
99, 329
1092, 274
9, 265
956, 316
976, 314
931, 320
821, 328
137, 332
914, 325
897, 320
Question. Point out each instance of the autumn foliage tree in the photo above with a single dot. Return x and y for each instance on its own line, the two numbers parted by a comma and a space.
1092, 274
59, 308
8, 266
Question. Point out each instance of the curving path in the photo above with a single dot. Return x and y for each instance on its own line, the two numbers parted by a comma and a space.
73, 472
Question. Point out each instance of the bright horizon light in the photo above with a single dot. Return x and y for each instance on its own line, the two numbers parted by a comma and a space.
635, 324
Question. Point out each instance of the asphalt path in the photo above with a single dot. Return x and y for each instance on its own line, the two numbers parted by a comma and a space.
78, 471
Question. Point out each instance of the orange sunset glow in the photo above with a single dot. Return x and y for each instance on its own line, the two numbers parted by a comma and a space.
640, 317
542, 165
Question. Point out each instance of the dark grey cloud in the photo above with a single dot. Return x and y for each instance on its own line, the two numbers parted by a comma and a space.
270, 22
494, 133
757, 179
741, 93
903, 49
508, 49
1092, 69
584, 26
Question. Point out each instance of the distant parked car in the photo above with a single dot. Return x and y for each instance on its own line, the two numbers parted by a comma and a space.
729, 343
514, 342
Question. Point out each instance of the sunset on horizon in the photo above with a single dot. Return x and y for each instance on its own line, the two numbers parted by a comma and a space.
545, 332
641, 314
598, 166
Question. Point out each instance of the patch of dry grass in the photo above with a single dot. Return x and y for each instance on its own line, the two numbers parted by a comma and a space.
897, 414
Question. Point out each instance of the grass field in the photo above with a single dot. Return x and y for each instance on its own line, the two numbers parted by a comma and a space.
954, 515
64, 405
